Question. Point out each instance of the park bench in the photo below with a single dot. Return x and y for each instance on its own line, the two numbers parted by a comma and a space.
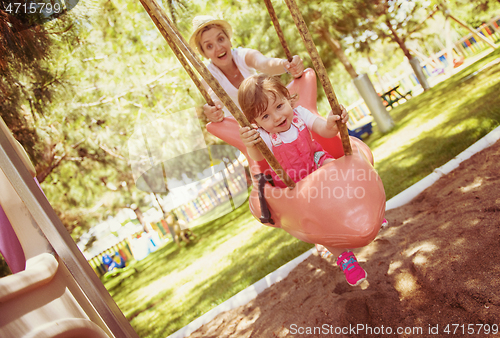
393, 96
362, 127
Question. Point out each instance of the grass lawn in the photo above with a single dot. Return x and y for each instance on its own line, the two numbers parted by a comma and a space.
437, 125
172, 286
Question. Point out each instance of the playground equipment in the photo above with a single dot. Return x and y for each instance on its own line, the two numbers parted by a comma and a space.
115, 262
58, 294
448, 58
322, 208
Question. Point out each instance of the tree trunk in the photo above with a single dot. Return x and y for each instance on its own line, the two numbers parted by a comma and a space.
43, 173
140, 218
362, 84
335, 45
417, 69
399, 41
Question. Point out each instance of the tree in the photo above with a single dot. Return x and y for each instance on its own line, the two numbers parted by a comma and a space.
72, 89
333, 21
443, 6
28, 85
121, 68
472, 12
396, 21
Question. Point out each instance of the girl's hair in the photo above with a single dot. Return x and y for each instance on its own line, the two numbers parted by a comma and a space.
253, 94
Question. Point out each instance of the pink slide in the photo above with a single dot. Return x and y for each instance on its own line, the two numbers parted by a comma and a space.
10, 247
41, 298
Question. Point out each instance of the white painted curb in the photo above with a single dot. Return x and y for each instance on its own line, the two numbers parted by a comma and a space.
410, 193
251, 292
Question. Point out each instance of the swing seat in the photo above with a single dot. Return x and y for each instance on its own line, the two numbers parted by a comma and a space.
342, 204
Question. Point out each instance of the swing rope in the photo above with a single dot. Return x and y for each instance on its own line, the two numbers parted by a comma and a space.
278, 29
178, 53
189, 70
317, 62
170, 33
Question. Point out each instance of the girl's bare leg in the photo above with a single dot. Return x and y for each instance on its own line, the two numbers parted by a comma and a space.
336, 252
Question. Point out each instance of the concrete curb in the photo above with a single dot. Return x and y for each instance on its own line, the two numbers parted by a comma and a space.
404, 197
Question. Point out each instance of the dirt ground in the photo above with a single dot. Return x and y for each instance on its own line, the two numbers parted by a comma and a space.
433, 271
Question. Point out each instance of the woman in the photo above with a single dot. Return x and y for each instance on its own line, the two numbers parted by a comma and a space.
212, 39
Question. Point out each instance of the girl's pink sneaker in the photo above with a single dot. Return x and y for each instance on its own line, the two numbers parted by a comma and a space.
354, 274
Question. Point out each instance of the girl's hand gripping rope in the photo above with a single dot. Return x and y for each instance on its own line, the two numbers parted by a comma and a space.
249, 137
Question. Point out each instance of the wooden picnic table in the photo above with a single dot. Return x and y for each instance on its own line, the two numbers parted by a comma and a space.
393, 95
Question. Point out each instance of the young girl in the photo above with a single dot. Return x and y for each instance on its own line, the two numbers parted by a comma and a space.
266, 102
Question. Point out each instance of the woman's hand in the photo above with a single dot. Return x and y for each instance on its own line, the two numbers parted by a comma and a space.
331, 120
214, 113
296, 67
249, 137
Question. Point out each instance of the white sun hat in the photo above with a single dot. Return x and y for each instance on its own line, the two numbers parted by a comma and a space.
200, 22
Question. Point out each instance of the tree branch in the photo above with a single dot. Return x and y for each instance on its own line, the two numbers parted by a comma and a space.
62, 32
46, 171
398, 40
110, 152
43, 173
436, 9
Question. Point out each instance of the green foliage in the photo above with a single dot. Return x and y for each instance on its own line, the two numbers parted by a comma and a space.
333, 23
27, 84
395, 21
120, 67
421, 24
473, 12
73, 89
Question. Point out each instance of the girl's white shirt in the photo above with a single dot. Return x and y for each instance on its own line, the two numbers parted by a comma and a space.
291, 134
